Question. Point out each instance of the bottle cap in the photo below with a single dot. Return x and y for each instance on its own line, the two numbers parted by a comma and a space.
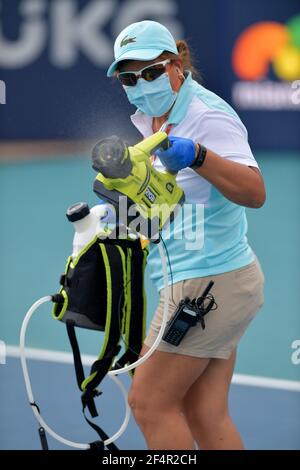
78, 211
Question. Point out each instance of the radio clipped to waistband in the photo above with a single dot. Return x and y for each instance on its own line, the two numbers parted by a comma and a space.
189, 313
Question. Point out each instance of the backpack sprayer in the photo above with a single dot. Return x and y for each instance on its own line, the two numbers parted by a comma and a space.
102, 287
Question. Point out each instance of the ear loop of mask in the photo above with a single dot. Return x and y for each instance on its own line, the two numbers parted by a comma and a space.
181, 75
166, 124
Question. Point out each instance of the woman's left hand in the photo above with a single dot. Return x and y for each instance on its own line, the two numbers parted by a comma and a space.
179, 155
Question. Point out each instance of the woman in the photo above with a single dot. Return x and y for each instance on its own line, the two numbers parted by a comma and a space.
180, 394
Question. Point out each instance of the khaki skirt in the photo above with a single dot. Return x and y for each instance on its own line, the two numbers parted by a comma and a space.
239, 296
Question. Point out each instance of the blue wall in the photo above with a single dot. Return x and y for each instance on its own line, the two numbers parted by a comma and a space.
54, 64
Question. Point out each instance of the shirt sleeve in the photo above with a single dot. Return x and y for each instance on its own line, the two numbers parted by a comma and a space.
227, 136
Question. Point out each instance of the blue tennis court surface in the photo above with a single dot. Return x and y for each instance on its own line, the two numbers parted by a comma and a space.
267, 418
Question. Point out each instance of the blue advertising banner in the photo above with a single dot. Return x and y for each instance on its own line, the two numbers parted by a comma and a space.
54, 55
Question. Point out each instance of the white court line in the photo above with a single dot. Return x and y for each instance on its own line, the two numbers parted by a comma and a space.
87, 360
50, 356
266, 382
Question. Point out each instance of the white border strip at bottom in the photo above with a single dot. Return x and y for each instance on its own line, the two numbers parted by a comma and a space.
67, 358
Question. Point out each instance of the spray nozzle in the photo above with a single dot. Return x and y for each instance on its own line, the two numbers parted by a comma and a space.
111, 158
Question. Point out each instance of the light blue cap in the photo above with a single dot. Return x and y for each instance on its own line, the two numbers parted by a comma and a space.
144, 40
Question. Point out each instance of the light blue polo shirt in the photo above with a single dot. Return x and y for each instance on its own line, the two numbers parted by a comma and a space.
208, 236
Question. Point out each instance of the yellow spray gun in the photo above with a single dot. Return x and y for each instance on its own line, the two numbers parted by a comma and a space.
149, 198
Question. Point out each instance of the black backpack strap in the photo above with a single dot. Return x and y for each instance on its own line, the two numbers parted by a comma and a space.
103, 436
138, 302
124, 265
43, 438
136, 308
113, 256
90, 403
78, 365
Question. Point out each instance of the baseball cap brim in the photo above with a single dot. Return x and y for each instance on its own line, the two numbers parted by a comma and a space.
136, 54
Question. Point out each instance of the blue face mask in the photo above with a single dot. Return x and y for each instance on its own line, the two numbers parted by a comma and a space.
152, 98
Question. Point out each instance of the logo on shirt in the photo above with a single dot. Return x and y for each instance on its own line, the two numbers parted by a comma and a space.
263, 51
126, 40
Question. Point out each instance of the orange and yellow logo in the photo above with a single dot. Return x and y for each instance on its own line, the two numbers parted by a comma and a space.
268, 43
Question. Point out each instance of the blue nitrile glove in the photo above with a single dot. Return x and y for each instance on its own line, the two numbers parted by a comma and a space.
180, 154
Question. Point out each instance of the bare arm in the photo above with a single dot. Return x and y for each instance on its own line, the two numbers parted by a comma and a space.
239, 183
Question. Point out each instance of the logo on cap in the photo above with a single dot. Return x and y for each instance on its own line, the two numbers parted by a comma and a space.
126, 40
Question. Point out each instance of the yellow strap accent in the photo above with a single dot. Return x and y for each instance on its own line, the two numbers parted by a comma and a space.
144, 296
64, 307
64, 294
123, 259
128, 296
108, 311
87, 381
144, 242
68, 263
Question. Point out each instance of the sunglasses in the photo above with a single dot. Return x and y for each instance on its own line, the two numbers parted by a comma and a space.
149, 73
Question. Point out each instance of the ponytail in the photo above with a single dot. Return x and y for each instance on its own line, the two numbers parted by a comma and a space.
185, 55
